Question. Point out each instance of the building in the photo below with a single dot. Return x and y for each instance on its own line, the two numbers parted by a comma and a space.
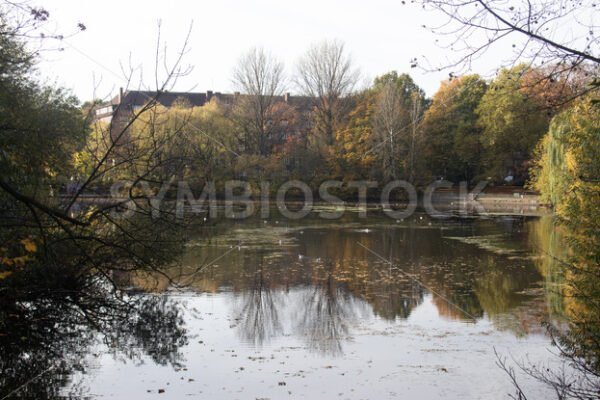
121, 107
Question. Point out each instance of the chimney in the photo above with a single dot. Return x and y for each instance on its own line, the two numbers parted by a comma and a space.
286, 97
209, 95
120, 95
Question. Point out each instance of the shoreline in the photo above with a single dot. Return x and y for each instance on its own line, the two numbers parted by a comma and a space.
492, 204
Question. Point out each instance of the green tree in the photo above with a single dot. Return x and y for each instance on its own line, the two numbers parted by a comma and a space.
512, 124
452, 133
397, 134
41, 126
403, 83
567, 173
549, 172
42, 129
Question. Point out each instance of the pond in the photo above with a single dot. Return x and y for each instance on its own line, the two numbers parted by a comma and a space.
352, 308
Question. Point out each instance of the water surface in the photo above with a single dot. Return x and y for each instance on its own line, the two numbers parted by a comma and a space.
348, 308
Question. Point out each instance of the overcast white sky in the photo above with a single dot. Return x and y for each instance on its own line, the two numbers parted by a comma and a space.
380, 35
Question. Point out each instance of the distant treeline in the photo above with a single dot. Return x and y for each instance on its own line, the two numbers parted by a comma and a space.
473, 129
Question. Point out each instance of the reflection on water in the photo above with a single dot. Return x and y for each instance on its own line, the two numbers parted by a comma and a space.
309, 290
324, 314
490, 268
47, 339
259, 310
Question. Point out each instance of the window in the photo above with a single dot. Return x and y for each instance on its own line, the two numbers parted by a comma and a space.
104, 110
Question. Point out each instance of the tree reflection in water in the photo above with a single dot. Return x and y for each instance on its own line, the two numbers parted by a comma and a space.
322, 281
259, 312
46, 335
394, 292
318, 286
325, 312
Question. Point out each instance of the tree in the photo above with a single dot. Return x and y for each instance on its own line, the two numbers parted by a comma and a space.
389, 120
260, 77
60, 256
567, 173
512, 124
42, 129
325, 73
452, 148
548, 32
397, 121
212, 143
404, 84
350, 157
549, 172
416, 137
553, 91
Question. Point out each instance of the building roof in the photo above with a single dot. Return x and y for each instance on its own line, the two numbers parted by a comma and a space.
139, 97
130, 98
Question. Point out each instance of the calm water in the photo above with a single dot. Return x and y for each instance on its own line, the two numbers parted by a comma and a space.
314, 309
